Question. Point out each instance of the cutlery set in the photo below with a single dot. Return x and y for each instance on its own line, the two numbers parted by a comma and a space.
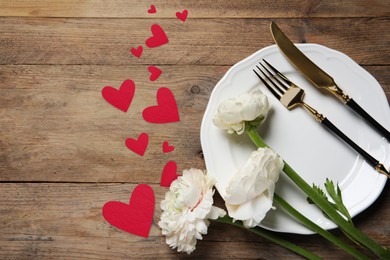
291, 96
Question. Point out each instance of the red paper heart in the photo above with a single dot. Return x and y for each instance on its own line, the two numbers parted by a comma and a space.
169, 174
137, 52
152, 9
183, 15
135, 217
154, 73
165, 112
121, 98
167, 148
138, 145
158, 37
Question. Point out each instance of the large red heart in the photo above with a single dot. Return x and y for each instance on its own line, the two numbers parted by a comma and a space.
154, 73
165, 112
158, 38
121, 98
169, 174
182, 16
135, 217
138, 145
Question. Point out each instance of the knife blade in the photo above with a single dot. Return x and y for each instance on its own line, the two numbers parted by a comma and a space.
320, 78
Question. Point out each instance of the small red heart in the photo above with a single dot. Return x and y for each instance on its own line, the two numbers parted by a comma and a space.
154, 73
167, 148
137, 52
121, 98
165, 112
183, 15
152, 9
138, 145
169, 174
135, 217
158, 37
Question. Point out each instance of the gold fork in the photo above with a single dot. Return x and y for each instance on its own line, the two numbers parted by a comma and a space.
291, 96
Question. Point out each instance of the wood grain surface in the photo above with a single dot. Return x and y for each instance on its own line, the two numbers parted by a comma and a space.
62, 152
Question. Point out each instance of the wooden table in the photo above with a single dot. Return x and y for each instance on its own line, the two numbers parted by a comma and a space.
62, 153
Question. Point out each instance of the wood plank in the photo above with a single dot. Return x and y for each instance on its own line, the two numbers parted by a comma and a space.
226, 41
197, 9
55, 126
64, 221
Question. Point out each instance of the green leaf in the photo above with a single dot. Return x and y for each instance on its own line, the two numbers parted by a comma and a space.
335, 194
319, 191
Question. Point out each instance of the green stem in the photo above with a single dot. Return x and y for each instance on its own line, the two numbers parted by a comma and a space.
314, 227
324, 205
270, 236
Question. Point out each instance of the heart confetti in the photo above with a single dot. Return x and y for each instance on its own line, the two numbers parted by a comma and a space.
158, 38
152, 9
167, 148
169, 174
154, 73
121, 98
138, 145
135, 217
182, 16
165, 112
137, 52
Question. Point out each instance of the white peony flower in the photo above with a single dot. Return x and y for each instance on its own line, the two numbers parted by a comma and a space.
233, 113
250, 191
186, 209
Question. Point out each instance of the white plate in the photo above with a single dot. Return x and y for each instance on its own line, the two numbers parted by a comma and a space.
309, 148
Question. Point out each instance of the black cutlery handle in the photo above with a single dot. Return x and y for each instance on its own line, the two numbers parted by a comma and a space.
371, 160
358, 109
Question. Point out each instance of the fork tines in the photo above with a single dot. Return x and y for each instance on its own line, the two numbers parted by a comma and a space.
279, 88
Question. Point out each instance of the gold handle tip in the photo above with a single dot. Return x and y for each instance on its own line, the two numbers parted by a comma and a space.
381, 169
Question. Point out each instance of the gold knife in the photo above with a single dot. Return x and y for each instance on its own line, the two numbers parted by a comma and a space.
320, 78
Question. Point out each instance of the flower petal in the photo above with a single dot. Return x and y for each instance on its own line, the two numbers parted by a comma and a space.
186, 208
249, 194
